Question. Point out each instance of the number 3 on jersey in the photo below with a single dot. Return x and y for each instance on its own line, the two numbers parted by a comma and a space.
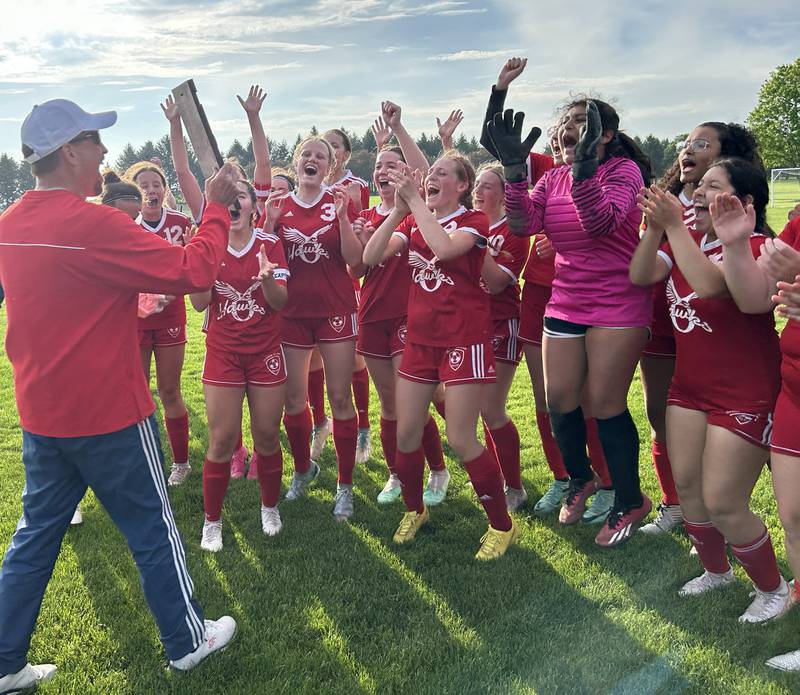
327, 212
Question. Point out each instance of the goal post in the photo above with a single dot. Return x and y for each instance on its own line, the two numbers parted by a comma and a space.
780, 192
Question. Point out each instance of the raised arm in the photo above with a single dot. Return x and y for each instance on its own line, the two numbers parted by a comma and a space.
448, 128
509, 72
180, 160
262, 176
413, 155
349, 244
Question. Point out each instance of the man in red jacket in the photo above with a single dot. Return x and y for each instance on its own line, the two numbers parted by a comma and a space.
72, 272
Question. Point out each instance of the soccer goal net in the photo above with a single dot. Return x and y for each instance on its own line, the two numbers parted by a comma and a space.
784, 186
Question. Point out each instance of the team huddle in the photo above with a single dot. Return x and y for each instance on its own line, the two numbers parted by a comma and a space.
576, 260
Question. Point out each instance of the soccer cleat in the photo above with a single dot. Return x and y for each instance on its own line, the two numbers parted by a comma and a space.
667, 518
768, 605
494, 543
343, 502
786, 662
363, 446
77, 517
179, 473
391, 491
575, 502
436, 489
252, 472
218, 634
212, 536
409, 525
300, 482
515, 498
708, 581
620, 525
27, 678
238, 461
319, 436
552, 498
599, 509
271, 523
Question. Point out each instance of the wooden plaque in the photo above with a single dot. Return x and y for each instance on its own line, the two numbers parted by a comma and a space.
197, 128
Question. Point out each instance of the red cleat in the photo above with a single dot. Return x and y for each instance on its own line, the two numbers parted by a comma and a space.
574, 504
620, 525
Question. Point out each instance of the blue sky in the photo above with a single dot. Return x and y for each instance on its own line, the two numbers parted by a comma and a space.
667, 66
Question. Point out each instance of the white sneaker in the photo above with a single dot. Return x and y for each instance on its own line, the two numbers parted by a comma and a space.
218, 635
786, 662
768, 605
706, 582
27, 677
212, 536
667, 518
363, 446
319, 436
515, 498
271, 523
179, 473
77, 517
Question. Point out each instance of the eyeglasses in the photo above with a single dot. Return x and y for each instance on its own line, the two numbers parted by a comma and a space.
693, 145
92, 135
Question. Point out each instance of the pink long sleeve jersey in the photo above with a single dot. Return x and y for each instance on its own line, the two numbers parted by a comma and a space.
593, 226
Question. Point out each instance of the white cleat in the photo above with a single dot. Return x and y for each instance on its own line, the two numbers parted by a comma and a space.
319, 435
363, 446
179, 473
768, 605
708, 581
271, 523
786, 662
77, 517
218, 635
300, 481
667, 518
515, 498
27, 678
212, 536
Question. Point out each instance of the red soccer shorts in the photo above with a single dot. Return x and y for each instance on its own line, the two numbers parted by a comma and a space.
237, 369
785, 430
382, 339
306, 333
531, 319
662, 339
756, 428
505, 341
162, 337
470, 364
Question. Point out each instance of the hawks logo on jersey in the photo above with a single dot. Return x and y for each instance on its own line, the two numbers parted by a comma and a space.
684, 317
273, 363
306, 247
426, 274
455, 358
337, 323
241, 306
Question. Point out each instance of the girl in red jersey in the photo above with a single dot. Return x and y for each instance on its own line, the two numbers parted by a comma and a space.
501, 269
448, 339
727, 377
163, 335
752, 284
382, 322
314, 226
244, 358
705, 143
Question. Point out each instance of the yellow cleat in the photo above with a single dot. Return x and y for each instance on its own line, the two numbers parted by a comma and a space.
409, 525
495, 543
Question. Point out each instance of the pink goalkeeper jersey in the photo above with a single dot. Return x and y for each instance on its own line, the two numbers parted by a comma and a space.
594, 228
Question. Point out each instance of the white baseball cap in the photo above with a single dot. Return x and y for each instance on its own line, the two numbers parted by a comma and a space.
54, 123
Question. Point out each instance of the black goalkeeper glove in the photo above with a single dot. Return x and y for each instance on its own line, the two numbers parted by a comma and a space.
505, 131
585, 164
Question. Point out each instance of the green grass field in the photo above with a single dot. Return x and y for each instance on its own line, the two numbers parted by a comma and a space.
336, 608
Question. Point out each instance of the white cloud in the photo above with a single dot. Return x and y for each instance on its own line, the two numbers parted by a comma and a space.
473, 55
148, 88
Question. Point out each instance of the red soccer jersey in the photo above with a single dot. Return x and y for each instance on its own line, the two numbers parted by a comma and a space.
238, 319
538, 164
347, 179
384, 293
790, 337
539, 271
446, 304
513, 252
72, 272
319, 285
171, 227
726, 358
